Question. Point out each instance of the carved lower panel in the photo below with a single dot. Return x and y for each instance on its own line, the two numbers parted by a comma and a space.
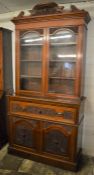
57, 138
23, 136
24, 133
49, 124
55, 142
47, 137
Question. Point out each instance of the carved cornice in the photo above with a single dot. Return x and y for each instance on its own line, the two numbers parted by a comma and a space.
49, 11
44, 9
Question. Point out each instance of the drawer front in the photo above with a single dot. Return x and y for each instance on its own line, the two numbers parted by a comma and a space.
59, 113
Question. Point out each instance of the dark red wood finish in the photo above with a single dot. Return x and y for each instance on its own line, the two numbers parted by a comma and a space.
45, 126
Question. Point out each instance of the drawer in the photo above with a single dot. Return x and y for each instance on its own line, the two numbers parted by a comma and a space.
52, 112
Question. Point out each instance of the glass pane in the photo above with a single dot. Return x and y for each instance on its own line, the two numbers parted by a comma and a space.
62, 61
31, 60
64, 86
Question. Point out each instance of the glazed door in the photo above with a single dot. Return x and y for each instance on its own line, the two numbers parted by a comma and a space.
62, 61
1, 62
49, 61
31, 56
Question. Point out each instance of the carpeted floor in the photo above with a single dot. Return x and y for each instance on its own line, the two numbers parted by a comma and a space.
12, 165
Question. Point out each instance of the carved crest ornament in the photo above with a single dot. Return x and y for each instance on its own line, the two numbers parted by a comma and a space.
46, 9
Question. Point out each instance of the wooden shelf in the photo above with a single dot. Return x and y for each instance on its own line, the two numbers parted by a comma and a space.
63, 78
31, 45
64, 44
52, 44
74, 61
31, 60
27, 76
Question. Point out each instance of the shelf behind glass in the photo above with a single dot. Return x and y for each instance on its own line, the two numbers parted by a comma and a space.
63, 60
63, 78
23, 45
27, 60
52, 44
28, 76
51, 60
63, 44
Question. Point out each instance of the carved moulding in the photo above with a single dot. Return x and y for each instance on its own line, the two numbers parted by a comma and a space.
52, 8
43, 111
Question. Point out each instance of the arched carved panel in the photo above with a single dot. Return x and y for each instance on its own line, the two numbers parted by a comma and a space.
56, 139
24, 132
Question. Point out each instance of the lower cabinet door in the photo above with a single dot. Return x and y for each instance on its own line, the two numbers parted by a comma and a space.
45, 137
24, 131
59, 139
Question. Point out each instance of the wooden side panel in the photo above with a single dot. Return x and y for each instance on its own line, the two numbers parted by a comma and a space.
5, 80
1, 61
7, 61
3, 120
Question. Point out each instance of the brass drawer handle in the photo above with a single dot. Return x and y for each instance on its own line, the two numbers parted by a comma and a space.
23, 108
60, 113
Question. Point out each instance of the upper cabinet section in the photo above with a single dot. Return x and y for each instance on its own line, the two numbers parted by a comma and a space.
50, 45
